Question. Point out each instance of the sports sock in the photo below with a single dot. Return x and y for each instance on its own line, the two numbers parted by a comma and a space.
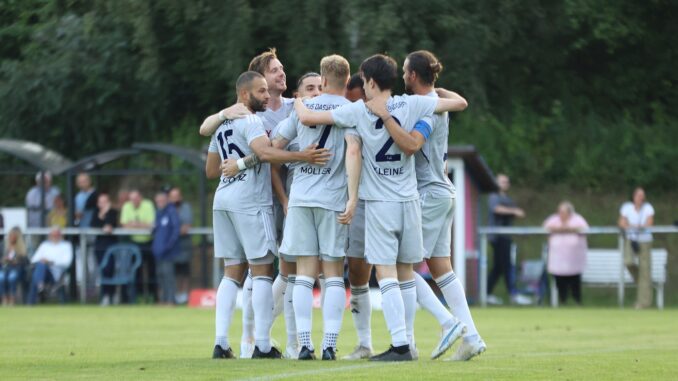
279, 287
394, 311
321, 283
262, 303
247, 311
225, 304
408, 290
290, 324
333, 311
361, 310
456, 299
430, 302
303, 309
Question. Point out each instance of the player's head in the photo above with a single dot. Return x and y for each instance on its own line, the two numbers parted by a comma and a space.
354, 88
421, 68
309, 85
252, 90
379, 73
268, 65
335, 72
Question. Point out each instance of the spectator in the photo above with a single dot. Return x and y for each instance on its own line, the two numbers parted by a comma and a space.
34, 199
567, 250
85, 201
139, 213
12, 266
502, 211
166, 246
51, 260
58, 216
106, 218
634, 217
182, 262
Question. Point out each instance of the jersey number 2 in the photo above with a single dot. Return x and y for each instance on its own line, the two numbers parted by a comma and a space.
382, 155
223, 138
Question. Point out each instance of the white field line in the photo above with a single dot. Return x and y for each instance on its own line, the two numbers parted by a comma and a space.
311, 372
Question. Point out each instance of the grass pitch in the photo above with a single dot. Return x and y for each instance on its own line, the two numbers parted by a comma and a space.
155, 343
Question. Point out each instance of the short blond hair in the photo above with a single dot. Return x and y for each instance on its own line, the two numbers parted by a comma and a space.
336, 69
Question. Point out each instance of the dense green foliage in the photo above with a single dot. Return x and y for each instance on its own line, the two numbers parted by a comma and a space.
580, 92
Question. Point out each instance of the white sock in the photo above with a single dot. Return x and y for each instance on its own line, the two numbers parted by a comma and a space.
361, 310
279, 287
321, 283
394, 311
226, 295
430, 302
247, 311
290, 324
262, 303
408, 290
333, 311
303, 309
456, 299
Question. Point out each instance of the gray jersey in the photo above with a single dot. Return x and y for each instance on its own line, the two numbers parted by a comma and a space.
430, 160
271, 118
250, 190
315, 185
292, 146
388, 174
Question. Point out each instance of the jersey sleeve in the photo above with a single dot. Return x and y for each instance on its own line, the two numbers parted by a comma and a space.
287, 128
213, 144
255, 128
423, 105
347, 115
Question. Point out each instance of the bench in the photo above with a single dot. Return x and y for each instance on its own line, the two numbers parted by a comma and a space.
603, 269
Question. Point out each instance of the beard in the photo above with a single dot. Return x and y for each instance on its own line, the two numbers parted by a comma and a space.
408, 89
257, 105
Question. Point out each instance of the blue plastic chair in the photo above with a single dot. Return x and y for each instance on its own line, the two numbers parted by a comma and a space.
126, 259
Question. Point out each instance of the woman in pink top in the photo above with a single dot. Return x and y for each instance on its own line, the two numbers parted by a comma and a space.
567, 250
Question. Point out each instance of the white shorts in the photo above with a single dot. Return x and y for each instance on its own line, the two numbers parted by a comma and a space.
437, 215
356, 233
243, 236
311, 231
393, 232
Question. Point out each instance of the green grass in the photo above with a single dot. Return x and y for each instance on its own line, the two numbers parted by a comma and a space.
153, 343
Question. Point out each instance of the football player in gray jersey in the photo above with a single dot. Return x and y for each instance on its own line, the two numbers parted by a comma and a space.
393, 239
420, 71
243, 227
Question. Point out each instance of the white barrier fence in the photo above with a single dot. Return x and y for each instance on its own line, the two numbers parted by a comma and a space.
484, 231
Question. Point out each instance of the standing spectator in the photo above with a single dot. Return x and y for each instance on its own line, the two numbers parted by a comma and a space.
567, 250
85, 201
58, 216
34, 204
634, 217
52, 259
503, 210
183, 260
106, 218
166, 246
139, 213
12, 267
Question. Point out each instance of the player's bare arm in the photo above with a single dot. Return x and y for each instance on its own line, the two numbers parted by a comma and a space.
212, 122
312, 118
263, 148
408, 142
449, 101
353, 162
212, 165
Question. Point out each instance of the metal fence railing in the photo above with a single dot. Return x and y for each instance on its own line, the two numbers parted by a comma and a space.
484, 231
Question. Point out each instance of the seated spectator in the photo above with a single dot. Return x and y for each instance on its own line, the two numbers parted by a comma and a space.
106, 219
51, 260
58, 216
567, 250
166, 246
12, 265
